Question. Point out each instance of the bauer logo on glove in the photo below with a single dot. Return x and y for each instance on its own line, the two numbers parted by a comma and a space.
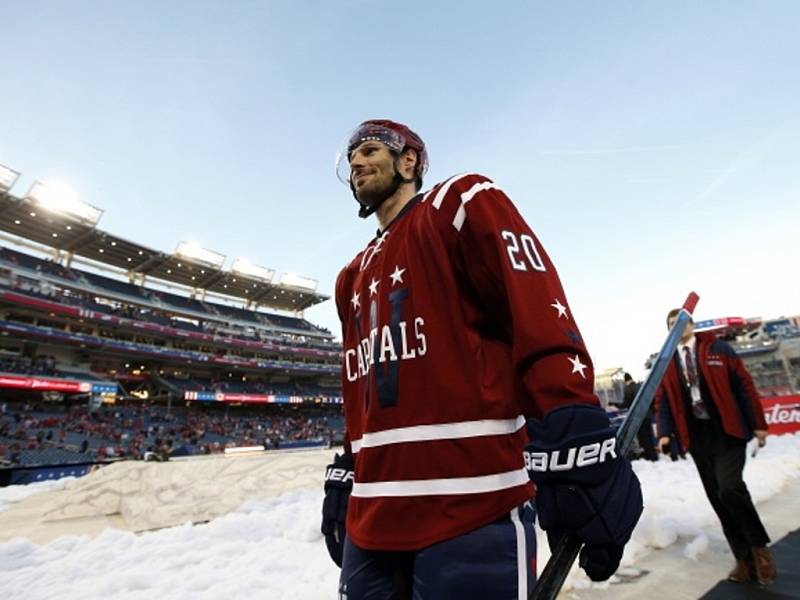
588, 455
336, 474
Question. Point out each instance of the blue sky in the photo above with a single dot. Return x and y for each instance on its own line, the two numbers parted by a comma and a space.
652, 146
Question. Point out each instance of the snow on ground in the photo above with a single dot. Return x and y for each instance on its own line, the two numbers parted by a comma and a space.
268, 549
273, 548
17, 493
676, 508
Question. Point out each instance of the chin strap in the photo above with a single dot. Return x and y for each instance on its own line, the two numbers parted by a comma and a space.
365, 210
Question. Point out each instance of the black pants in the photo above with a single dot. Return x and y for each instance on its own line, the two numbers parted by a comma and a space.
646, 440
719, 459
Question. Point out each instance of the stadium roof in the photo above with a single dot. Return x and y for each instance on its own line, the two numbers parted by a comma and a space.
69, 233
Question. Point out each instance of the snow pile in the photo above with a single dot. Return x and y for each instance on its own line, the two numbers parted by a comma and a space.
17, 493
676, 508
273, 548
270, 549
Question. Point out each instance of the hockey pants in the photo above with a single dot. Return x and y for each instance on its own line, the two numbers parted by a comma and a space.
496, 561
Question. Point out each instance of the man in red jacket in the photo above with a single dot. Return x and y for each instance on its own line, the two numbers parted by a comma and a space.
707, 400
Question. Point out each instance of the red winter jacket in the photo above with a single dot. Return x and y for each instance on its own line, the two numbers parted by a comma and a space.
729, 385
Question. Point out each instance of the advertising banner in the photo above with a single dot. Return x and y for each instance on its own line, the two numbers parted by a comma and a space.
42, 384
255, 398
782, 413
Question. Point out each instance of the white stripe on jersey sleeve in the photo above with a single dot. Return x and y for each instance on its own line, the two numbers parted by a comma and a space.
442, 431
442, 487
461, 213
437, 201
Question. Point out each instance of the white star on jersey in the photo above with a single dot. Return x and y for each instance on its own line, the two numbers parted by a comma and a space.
373, 286
354, 300
562, 310
577, 365
397, 275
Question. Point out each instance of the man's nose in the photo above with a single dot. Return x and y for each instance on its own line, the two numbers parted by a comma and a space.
356, 162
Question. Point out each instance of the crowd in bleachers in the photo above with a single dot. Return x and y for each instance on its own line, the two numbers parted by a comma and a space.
164, 299
253, 386
145, 339
38, 365
163, 316
36, 264
31, 434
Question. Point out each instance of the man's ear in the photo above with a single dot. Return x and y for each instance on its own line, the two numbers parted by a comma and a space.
408, 161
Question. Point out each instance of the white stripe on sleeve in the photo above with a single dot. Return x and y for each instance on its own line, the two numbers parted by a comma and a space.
461, 213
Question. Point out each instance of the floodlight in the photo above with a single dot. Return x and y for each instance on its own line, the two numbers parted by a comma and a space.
7, 178
61, 199
193, 251
248, 269
296, 281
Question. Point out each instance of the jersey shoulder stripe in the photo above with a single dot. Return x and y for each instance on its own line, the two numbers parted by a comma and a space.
450, 197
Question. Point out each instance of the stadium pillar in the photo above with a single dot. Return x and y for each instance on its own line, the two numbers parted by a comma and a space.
787, 369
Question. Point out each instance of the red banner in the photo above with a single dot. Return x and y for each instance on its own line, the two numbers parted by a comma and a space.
43, 385
41, 304
782, 413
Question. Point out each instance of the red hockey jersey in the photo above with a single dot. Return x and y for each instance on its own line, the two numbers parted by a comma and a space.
455, 329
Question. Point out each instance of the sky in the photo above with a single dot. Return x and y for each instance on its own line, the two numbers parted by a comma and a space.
272, 547
652, 147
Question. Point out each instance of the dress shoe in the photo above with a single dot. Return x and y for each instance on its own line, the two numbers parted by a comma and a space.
765, 565
742, 572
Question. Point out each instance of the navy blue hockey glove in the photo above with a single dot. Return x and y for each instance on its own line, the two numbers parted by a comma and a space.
338, 485
583, 486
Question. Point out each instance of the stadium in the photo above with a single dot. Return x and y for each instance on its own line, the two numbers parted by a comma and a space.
151, 389
547, 181
112, 350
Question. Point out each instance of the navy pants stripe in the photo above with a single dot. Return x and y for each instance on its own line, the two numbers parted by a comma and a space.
494, 561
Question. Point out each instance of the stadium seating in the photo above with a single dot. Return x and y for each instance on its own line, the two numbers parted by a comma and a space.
83, 338
164, 299
165, 319
113, 285
31, 435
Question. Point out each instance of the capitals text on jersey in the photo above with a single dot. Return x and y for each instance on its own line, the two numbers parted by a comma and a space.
360, 358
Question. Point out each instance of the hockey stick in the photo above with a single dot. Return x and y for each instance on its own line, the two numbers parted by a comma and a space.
565, 553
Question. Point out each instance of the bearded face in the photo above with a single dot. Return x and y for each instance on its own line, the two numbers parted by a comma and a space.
372, 172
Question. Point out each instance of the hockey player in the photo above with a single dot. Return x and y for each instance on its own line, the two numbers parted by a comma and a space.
464, 377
